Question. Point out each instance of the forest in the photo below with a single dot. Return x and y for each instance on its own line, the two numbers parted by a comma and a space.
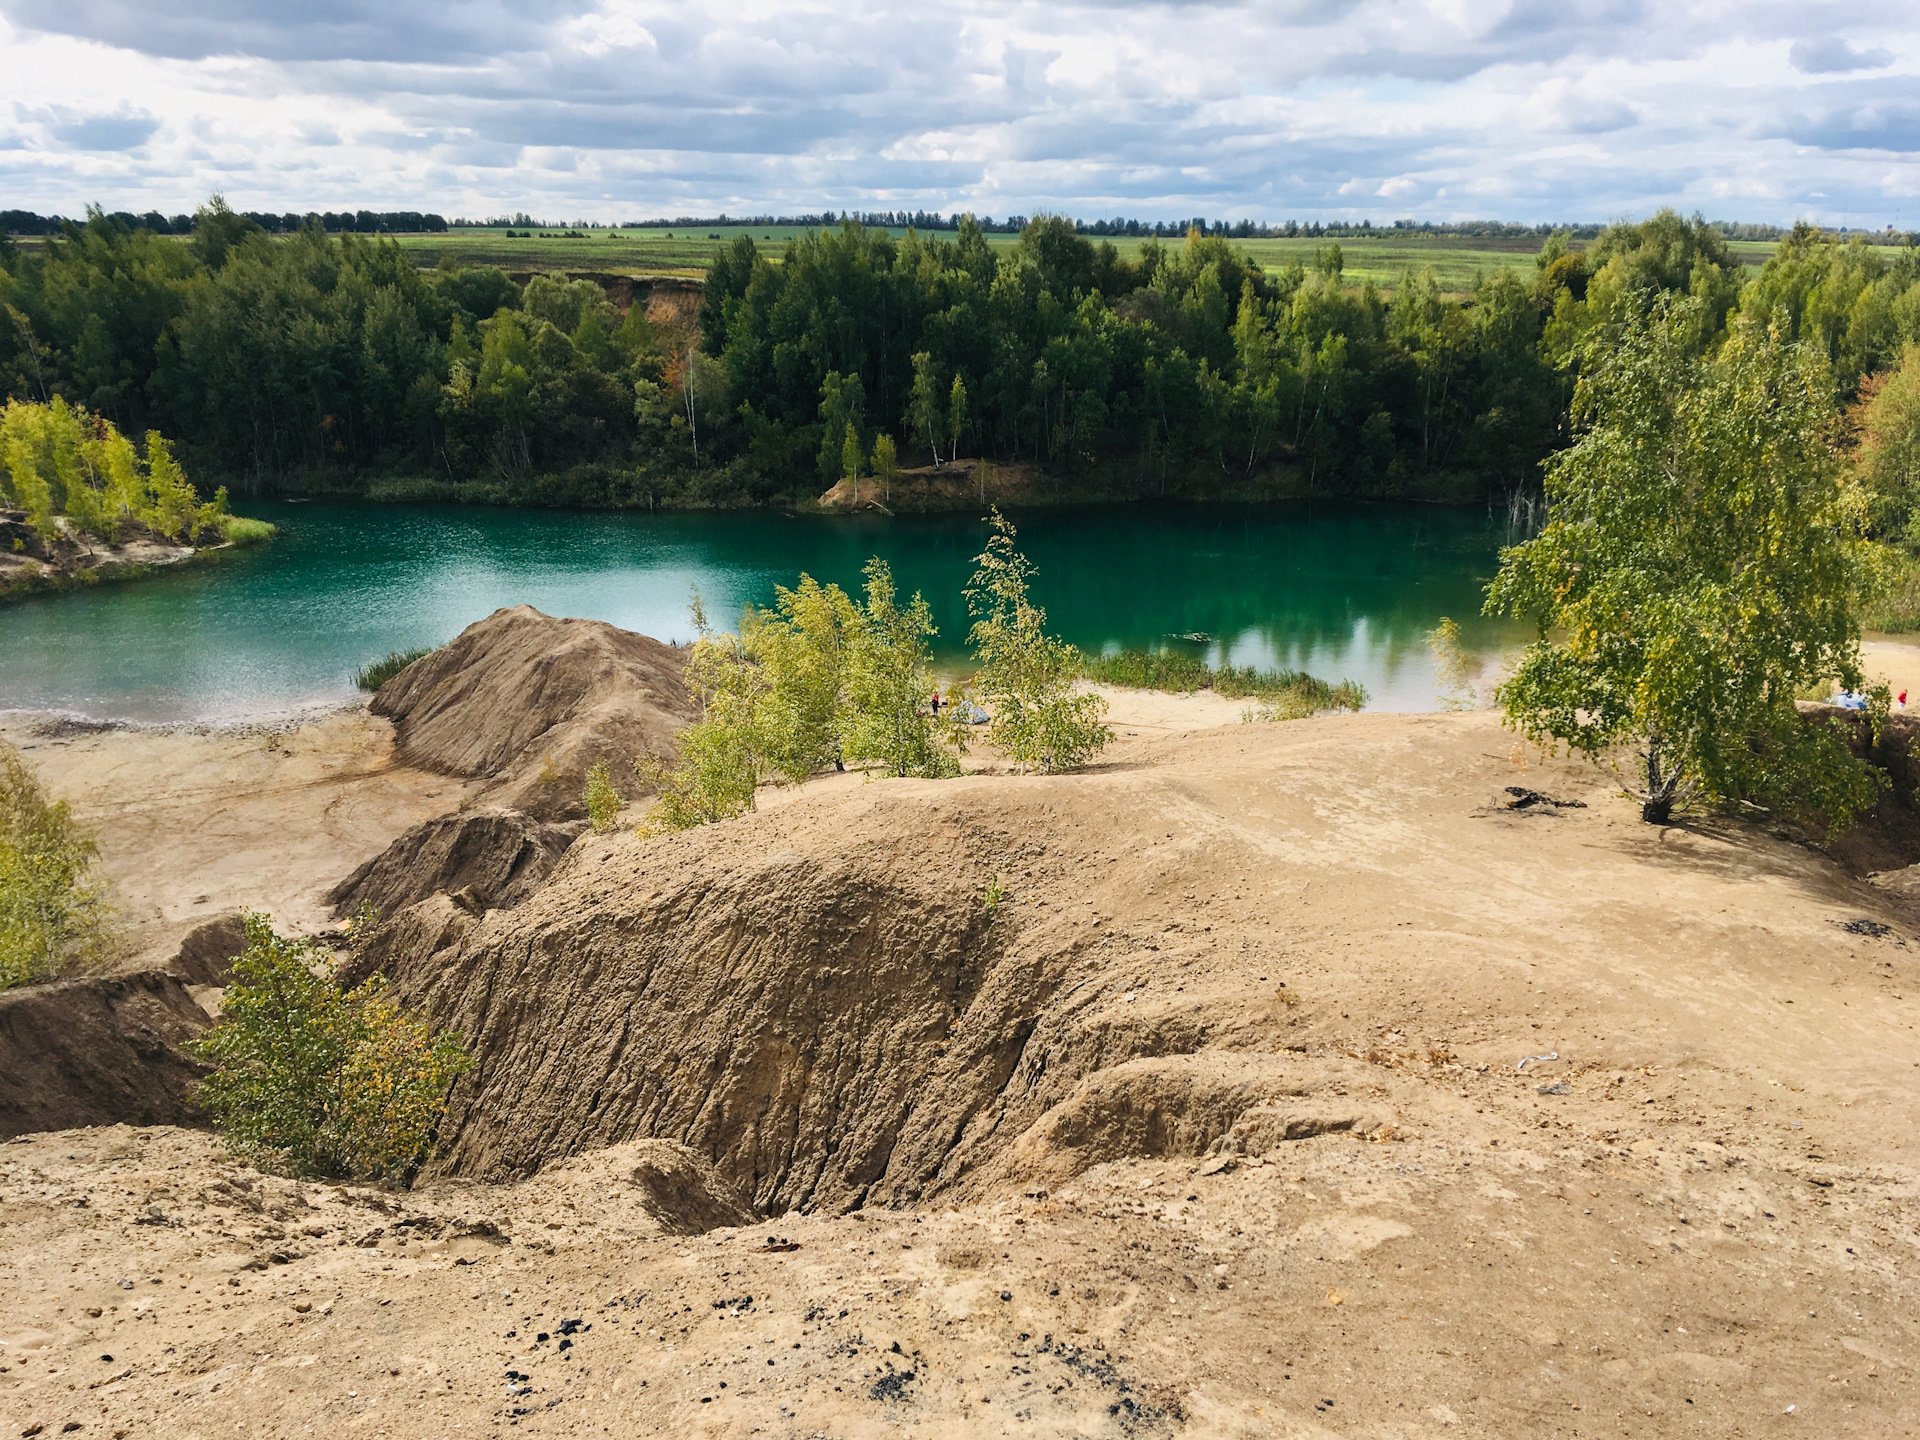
329, 362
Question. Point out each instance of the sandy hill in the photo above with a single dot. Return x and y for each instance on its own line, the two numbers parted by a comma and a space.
1295, 1086
529, 702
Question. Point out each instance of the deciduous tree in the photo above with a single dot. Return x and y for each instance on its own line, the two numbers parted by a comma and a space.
1695, 574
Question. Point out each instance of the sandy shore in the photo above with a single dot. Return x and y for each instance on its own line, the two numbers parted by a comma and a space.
194, 823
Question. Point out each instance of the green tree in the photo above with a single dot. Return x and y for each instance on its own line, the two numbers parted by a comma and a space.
801, 647
890, 680
720, 753
1695, 574
853, 457
54, 916
886, 464
1886, 457
923, 403
317, 1079
956, 415
1026, 676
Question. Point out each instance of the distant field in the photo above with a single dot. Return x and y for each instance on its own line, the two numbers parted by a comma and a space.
1457, 261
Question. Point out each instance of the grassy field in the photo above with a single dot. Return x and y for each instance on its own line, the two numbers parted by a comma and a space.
1457, 261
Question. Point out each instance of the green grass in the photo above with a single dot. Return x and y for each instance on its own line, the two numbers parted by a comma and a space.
1457, 261
243, 530
374, 674
1290, 691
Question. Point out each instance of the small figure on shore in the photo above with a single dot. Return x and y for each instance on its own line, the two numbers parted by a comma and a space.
936, 704
1902, 702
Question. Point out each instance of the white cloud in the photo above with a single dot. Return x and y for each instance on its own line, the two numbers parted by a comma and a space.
1525, 109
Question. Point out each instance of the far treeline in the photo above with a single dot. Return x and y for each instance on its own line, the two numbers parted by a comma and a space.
318, 362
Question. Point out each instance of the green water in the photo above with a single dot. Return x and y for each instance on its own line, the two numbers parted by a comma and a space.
1341, 592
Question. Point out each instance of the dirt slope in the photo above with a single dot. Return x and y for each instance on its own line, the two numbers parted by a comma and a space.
1225, 1121
497, 857
528, 703
97, 1051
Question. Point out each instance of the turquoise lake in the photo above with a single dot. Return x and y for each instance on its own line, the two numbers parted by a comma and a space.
1341, 591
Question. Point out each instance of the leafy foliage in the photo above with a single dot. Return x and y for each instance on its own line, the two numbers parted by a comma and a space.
319, 1080
888, 678
58, 461
1166, 365
54, 916
801, 647
1694, 574
602, 800
376, 673
1026, 676
814, 683
1886, 457
720, 755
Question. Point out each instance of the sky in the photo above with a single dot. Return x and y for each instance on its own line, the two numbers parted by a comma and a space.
610, 110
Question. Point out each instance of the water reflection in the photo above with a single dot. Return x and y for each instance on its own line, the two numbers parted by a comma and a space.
1340, 592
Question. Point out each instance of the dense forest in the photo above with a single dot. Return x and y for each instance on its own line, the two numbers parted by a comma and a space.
328, 361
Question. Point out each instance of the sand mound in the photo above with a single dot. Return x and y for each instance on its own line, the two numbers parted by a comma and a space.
207, 954
100, 1051
530, 702
494, 858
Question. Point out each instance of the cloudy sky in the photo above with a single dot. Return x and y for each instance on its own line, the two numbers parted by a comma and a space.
616, 109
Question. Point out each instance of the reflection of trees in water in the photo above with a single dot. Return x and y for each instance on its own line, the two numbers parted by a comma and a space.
1336, 591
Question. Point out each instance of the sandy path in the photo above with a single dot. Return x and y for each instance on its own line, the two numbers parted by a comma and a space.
197, 823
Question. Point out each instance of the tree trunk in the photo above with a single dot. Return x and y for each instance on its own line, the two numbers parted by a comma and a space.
1663, 785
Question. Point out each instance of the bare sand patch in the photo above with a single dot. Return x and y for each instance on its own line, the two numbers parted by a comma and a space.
193, 823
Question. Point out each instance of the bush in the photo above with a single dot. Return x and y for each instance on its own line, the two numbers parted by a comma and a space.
603, 802
242, 530
720, 758
320, 1081
1026, 676
374, 674
54, 916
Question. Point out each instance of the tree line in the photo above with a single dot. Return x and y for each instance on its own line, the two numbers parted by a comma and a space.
320, 360
334, 222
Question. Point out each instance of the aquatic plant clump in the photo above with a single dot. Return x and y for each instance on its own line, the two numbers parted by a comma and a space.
376, 673
1288, 691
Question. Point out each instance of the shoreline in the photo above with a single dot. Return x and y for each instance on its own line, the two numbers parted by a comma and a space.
195, 822
117, 565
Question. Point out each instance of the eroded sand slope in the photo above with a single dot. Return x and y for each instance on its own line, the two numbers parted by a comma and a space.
1215, 1126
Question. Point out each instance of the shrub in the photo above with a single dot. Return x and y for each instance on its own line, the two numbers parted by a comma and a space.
376, 673
54, 916
889, 678
317, 1080
243, 530
1026, 676
720, 753
603, 802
